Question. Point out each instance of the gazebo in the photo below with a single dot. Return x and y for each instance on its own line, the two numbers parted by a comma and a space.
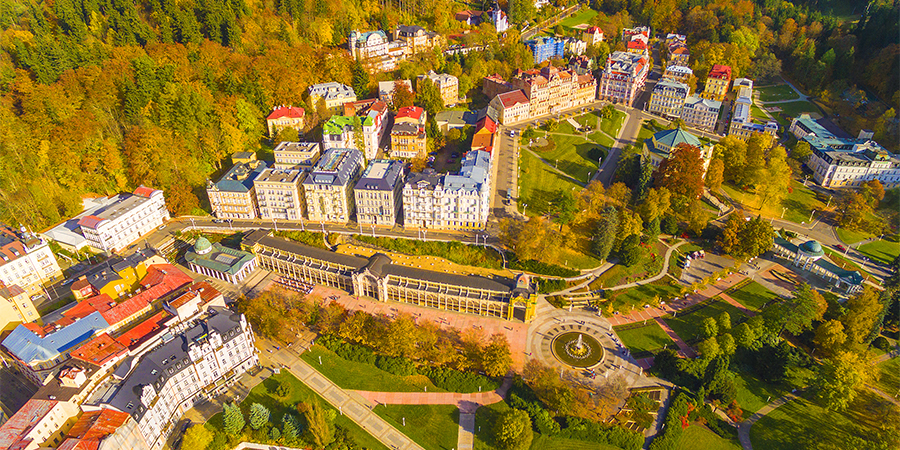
810, 256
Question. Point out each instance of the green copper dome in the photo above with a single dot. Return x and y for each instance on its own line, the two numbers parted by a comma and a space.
202, 245
812, 248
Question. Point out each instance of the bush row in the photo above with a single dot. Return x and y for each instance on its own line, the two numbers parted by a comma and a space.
454, 251
548, 285
541, 268
584, 430
456, 381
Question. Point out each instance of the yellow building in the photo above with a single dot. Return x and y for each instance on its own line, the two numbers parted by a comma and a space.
408, 138
717, 83
118, 277
15, 307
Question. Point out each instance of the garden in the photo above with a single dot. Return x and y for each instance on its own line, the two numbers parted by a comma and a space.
643, 339
752, 295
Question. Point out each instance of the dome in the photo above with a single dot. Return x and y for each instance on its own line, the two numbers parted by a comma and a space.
812, 248
202, 245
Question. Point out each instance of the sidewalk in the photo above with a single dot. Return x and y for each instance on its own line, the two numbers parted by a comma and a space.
438, 398
684, 349
744, 427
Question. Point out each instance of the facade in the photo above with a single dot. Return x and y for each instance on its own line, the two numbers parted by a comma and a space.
297, 155
575, 46
450, 202
278, 194
38, 424
544, 48
200, 362
629, 34
592, 35
371, 47
667, 98
220, 262
378, 193
15, 307
408, 137
329, 187
551, 90
377, 277
845, 162
340, 131
27, 262
742, 124
717, 83
386, 89
418, 39
623, 77
334, 95
233, 196
678, 54
511, 107
129, 218
379, 54
701, 113
283, 117
448, 85
681, 74
660, 146
494, 16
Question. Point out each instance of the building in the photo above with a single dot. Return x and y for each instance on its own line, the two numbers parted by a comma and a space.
199, 363
701, 113
378, 193
38, 424
575, 46
128, 219
667, 98
334, 95
742, 124
379, 54
592, 36
809, 256
423, 199
283, 117
371, 48
678, 54
233, 196
717, 83
512, 107
68, 234
15, 307
329, 187
843, 161
386, 89
448, 85
485, 134
220, 262
408, 137
450, 202
118, 277
370, 115
629, 34
623, 77
27, 262
104, 429
681, 74
637, 40
296, 155
661, 145
377, 277
552, 90
494, 85
544, 48
278, 194
494, 16
418, 39
455, 120
581, 65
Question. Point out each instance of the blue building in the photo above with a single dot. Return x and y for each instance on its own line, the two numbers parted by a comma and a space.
546, 48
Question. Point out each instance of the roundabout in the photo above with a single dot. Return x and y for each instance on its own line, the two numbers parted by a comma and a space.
577, 350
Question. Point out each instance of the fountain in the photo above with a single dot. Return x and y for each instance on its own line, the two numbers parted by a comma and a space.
577, 350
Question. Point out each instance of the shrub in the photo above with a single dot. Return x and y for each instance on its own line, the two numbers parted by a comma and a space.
456, 381
557, 301
548, 285
454, 251
396, 365
309, 238
540, 268
346, 350
881, 343
612, 435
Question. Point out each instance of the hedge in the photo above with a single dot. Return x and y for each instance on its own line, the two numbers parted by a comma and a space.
540, 268
456, 381
454, 251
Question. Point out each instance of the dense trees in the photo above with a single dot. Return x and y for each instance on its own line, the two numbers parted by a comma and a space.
512, 431
746, 238
682, 172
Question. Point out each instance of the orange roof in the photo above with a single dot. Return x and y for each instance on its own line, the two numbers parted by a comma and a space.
87, 306
144, 191
165, 273
513, 98
294, 112
13, 432
98, 424
680, 50
413, 112
133, 305
79, 444
594, 30
99, 350
636, 44
720, 71
144, 329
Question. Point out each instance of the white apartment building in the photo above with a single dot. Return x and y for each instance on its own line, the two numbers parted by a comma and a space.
334, 95
379, 193
623, 77
38, 424
114, 227
329, 187
199, 363
278, 194
667, 98
233, 196
701, 113
296, 155
450, 202
27, 262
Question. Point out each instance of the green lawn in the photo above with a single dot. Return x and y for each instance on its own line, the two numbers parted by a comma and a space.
602, 139
753, 393
484, 422
279, 406
538, 183
580, 18
776, 93
571, 156
698, 437
565, 127
885, 250
753, 295
637, 297
361, 376
588, 119
852, 236
794, 109
611, 126
803, 424
687, 326
648, 338
431, 426
797, 205
889, 382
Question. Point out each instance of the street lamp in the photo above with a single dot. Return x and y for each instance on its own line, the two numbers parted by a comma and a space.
275, 223
811, 215
373, 230
783, 210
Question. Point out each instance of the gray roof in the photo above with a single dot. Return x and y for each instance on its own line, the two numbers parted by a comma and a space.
309, 251
332, 90
240, 177
475, 281
428, 176
473, 174
337, 167
381, 175
406, 128
220, 259
457, 118
695, 100
169, 359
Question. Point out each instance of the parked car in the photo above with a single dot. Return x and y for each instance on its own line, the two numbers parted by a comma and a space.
840, 247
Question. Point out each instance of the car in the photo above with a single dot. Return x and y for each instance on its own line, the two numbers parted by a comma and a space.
162, 227
432, 154
218, 220
68, 281
840, 247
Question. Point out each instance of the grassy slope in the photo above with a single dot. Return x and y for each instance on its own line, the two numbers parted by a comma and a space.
484, 421
884, 250
698, 437
687, 326
753, 295
361, 376
646, 338
431, 426
538, 183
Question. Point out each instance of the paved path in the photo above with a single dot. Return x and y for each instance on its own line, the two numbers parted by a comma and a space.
662, 273
560, 172
437, 398
744, 427
883, 394
358, 411
684, 349
737, 304
465, 439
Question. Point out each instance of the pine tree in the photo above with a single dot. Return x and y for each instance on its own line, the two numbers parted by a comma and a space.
234, 419
289, 431
259, 416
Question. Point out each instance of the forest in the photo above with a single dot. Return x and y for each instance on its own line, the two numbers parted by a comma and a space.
100, 96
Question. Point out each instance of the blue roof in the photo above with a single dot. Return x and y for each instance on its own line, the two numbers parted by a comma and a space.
29, 347
474, 172
240, 177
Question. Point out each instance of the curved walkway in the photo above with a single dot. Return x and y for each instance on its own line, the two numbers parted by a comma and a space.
662, 273
438, 398
744, 427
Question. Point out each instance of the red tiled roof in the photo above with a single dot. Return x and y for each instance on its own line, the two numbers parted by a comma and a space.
594, 30
144, 191
133, 305
79, 444
90, 221
294, 112
12, 433
483, 141
98, 424
413, 112
80, 284
486, 123
137, 335
513, 98
87, 306
165, 273
636, 44
720, 71
99, 350
35, 328
8, 251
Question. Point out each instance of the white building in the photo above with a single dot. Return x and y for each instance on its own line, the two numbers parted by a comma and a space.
451, 202
329, 187
340, 131
296, 155
199, 363
742, 124
278, 194
334, 95
220, 262
26, 261
114, 227
379, 193
38, 424
623, 77
701, 113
